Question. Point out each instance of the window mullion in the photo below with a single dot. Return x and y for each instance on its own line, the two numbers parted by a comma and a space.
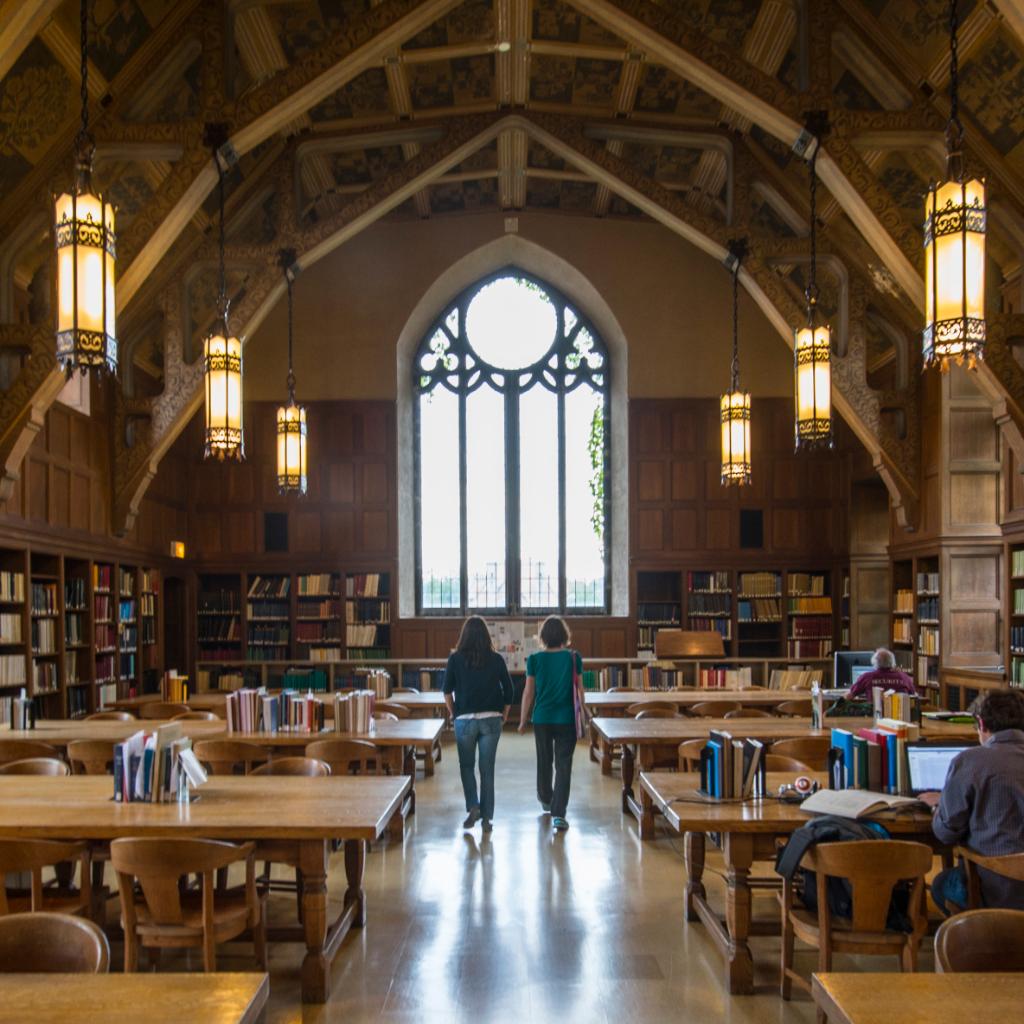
561, 496
463, 513
513, 573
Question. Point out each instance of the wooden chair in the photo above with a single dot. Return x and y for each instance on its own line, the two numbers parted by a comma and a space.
20, 750
989, 939
749, 713
652, 705
781, 763
346, 757
110, 716
398, 710
47, 943
794, 709
812, 750
91, 757
307, 766
656, 713
35, 766
161, 709
31, 856
384, 716
689, 754
169, 916
223, 757
713, 708
195, 716
1010, 865
873, 867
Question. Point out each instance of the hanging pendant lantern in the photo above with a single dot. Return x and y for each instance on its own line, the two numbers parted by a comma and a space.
812, 350
86, 249
222, 355
954, 248
735, 403
291, 418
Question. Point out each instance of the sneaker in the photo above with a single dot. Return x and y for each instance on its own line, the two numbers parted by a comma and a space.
472, 818
559, 824
546, 808
486, 826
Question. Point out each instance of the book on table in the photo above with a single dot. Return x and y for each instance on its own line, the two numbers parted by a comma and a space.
731, 768
855, 803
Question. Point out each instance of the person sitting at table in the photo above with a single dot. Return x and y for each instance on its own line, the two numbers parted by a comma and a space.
478, 692
981, 806
884, 674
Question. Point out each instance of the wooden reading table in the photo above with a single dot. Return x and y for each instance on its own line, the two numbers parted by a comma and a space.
641, 738
748, 830
297, 810
918, 998
140, 998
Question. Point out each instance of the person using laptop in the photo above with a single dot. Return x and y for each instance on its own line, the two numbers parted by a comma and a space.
982, 803
884, 673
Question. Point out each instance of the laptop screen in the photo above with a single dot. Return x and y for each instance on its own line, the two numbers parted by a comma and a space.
928, 766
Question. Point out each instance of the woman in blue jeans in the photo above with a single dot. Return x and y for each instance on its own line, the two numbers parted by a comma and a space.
478, 692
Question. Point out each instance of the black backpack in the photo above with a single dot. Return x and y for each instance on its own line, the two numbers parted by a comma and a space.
830, 828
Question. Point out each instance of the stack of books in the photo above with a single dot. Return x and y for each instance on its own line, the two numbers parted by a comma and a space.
147, 766
248, 711
353, 711
732, 769
174, 688
873, 758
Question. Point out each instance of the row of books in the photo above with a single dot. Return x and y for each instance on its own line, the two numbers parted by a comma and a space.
903, 601
16, 712
708, 582
128, 664
149, 581
309, 679
269, 586
369, 635
105, 670
78, 701
872, 758
44, 636
321, 654
927, 582
306, 632
147, 604
1016, 672
1018, 601
218, 601
74, 628
12, 670
218, 627
129, 636
323, 610
44, 598
152, 767
1017, 638
174, 688
249, 711
105, 635
102, 576
902, 632
709, 604
353, 711
759, 584
659, 612
12, 586
1017, 562
810, 626
44, 676
794, 678
10, 628
725, 678
71, 669
106, 693
928, 608
149, 630
370, 584
268, 633
315, 584
765, 609
724, 626
810, 583
220, 654
928, 640
810, 606
125, 582
103, 607
815, 647
368, 611
732, 769
268, 610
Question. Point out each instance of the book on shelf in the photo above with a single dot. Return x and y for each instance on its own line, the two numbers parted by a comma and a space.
902, 632
759, 584
44, 598
721, 624
317, 584
174, 688
927, 609
255, 710
927, 582
806, 583
1016, 562
903, 602
12, 587
794, 678
12, 670
708, 583
149, 581
78, 701
928, 640
103, 608
106, 691
102, 576
71, 669
44, 677
125, 582
699, 603
758, 609
809, 647
218, 602
10, 627
725, 678
310, 679
810, 605
370, 584
269, 586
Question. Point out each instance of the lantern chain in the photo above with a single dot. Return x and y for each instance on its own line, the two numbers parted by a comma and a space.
84, 146
954, 127
223, 273
291, 372
812, 278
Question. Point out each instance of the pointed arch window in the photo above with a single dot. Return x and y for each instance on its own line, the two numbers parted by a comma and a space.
512, 454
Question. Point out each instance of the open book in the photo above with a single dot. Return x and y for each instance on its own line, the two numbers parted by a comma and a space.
854, 803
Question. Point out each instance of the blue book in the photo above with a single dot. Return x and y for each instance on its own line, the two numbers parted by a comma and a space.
842, 740
892, 762
119, 772
714, 779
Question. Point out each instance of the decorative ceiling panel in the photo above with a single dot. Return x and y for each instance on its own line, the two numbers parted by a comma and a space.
451, 197
764, 217
449, 83
117, 29
471, 22
584, 81
484, 159
662, 92
906, 174
567, 196
364, 96
301, 27
920, 26
557, 21
992, 89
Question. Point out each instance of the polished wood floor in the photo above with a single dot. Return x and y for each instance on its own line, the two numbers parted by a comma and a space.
525, 926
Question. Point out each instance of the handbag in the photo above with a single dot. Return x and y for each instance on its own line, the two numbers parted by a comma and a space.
579, 715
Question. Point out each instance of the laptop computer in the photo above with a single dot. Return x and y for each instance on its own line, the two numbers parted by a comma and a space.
928, 765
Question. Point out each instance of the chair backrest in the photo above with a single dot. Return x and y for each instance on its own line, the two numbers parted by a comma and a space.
689, 754
794, 708
195, 716
405, 689
991, 939
45, 943
346, 757
714, 708
161, 709
652, 705
35, 766
91, 757
812, 750
32, 855
158, 864
872, 867
656, 713
110, 716
781, 763
18, 750
1009, 865
398, 710
384, 716
293, 766
749, 713
222, 757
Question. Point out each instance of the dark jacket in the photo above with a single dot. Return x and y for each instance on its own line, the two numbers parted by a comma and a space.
478, 689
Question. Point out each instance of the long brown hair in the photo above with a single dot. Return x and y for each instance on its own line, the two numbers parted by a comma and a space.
475, 641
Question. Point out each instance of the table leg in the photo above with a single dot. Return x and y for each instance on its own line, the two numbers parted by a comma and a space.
355, 857
315, 967
693, 854
646, 802
428, 762
739, 855
606, 756
409, 761
628, 771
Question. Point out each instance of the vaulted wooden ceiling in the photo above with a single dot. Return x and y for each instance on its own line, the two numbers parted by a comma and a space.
340, 112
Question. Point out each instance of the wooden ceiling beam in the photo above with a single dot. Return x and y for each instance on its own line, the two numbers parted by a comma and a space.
66, 47
625, 99
1013, 14
20, 22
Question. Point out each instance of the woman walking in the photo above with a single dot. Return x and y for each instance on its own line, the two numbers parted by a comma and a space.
478, 692
552, 674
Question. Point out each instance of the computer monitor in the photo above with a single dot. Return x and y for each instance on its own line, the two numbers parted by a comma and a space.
928, 765
857, 671
843, 664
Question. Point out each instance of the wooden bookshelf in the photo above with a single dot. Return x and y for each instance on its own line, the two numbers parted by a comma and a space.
902, 627
1015, 617
78, 633
368, 616
127, 611
104, 611
810, 618
15, 623
709, 602
268, 617
844, 610
658, 604
759, 617
220, 632
928, 621
47, 639
319, 635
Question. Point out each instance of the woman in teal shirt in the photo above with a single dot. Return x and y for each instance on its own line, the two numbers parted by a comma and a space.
550, 677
